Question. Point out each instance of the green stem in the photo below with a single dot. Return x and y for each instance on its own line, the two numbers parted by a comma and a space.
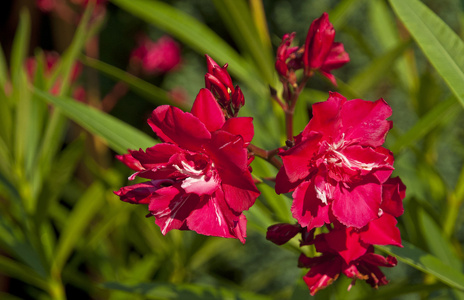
268, 155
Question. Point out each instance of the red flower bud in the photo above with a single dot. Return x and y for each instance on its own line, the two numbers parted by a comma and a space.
238, 100
320, 51
279, 234
217, 88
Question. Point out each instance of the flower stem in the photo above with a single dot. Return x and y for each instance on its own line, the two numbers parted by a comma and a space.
268, 155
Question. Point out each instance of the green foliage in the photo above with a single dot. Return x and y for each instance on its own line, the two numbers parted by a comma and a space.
62, 228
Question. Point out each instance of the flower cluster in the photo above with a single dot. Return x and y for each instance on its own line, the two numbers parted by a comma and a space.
199, 177
344, 199
339, 173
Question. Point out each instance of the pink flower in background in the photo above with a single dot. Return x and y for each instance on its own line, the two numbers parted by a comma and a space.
51, 60
156, 57
320, 51
337, 166
199, 176
46, 5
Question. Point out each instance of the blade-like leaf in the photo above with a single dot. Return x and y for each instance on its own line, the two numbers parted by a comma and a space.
22, 272
376, 70
79, 219
342, 11
182, 291
119, 135
439, 113
440, 44
149, 91
386, 31
236, 14
427, 263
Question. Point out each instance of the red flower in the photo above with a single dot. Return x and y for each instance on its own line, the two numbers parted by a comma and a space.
337, 165
200, 179
320, 51
157, 57
325, 269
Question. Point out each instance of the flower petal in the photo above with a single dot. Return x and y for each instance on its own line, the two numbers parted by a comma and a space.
155, 156
215, 218
172, 125
307, 208
242, 126
171, 207
208, 111
230, 160
140, 193
382, 231
359, 204
364, 122
297, 159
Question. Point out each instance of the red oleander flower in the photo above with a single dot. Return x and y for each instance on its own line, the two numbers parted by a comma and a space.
157, 57
200, 178
320, 51
325, 269
337, 165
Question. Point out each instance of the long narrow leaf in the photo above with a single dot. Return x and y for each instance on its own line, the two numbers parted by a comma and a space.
19, 271
86, 208
438, 114
119, 135
149, 91
377, 69
440, 44
237, 17
427, 263
182, 291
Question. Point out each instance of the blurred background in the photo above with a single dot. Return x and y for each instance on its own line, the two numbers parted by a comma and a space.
64, 234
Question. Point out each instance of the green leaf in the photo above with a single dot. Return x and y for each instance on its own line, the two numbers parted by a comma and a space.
149, 91
440, 44
119, 135
386, 31
343, 10
436, 242
237, 16
20, 247
193, 33
20, 46
427, 263
376, 70
438, 114
78, 221
182, 291
22, 272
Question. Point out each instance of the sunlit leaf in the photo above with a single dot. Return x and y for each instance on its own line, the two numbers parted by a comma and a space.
78, 221
438, 114
150, 92
440, 44
182, 291
119, 135
427, 263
